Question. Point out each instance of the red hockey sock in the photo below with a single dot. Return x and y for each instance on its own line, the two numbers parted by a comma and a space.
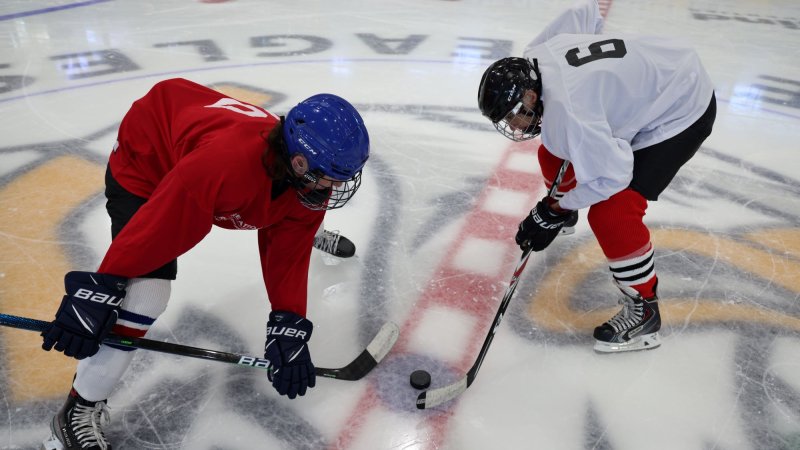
625, 240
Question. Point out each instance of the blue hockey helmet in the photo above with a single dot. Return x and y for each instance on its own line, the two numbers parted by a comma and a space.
330, 133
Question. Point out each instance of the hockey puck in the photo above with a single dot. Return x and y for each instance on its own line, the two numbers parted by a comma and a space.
420, 379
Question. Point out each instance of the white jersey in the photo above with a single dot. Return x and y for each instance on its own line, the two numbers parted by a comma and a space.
606, 96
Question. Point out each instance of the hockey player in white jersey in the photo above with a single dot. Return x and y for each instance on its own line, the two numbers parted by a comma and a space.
627, 112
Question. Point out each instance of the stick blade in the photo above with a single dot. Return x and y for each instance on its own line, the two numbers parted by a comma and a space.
383, 341
435, 397
368, 359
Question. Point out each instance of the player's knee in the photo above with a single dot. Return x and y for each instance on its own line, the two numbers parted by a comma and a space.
622, 210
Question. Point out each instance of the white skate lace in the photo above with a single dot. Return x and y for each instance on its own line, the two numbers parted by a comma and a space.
86, 424
630, 315
327, 242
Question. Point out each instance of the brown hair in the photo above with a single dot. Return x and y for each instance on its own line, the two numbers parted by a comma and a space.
274, 158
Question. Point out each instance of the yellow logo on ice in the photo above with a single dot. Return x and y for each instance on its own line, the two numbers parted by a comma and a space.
772, 254
33, 207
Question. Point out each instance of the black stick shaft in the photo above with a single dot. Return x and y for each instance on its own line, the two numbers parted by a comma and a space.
438, 396
512, 286
25, 323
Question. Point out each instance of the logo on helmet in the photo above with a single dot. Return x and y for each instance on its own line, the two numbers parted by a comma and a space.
512, 93
305, 145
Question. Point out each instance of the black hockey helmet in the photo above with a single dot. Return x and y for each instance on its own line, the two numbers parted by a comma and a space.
500, 93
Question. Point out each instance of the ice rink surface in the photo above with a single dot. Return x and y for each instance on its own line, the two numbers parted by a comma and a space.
434, 226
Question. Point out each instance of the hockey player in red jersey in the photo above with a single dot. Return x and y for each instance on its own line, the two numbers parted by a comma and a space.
626, 112
188, 158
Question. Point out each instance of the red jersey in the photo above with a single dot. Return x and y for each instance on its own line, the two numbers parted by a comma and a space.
196, 155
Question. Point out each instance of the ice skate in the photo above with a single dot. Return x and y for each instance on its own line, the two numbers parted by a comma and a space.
333, 243
635, 327
78, 425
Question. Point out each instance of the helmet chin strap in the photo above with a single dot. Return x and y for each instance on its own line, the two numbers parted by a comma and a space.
297, 167
301, 176
305, 183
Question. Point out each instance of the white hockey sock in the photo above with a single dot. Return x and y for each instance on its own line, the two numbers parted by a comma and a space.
98, 375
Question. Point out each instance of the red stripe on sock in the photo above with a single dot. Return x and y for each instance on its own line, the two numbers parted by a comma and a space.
122, 330
647, 289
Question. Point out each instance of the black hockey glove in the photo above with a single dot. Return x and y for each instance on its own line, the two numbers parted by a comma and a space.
292, 371
541, 226
86, 314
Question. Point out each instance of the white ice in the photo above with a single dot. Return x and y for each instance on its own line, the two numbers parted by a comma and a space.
433, 228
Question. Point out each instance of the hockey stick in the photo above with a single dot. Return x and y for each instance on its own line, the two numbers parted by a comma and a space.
357, 369
435, 397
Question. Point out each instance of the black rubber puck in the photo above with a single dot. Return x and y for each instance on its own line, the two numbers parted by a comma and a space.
420, 379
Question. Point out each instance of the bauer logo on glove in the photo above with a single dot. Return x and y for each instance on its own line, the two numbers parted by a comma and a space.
98, 297
286, 331
541, 227
86, 315
543, 223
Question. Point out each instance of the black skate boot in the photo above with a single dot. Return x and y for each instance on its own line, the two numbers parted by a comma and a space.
569, 225
334, 243
78, 425
634, 328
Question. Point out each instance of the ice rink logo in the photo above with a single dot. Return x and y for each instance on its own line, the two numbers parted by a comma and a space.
754, 19
739, 283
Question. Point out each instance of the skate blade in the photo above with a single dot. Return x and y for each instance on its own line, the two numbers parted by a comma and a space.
566, 231
52, 444
330, 260
645, 342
